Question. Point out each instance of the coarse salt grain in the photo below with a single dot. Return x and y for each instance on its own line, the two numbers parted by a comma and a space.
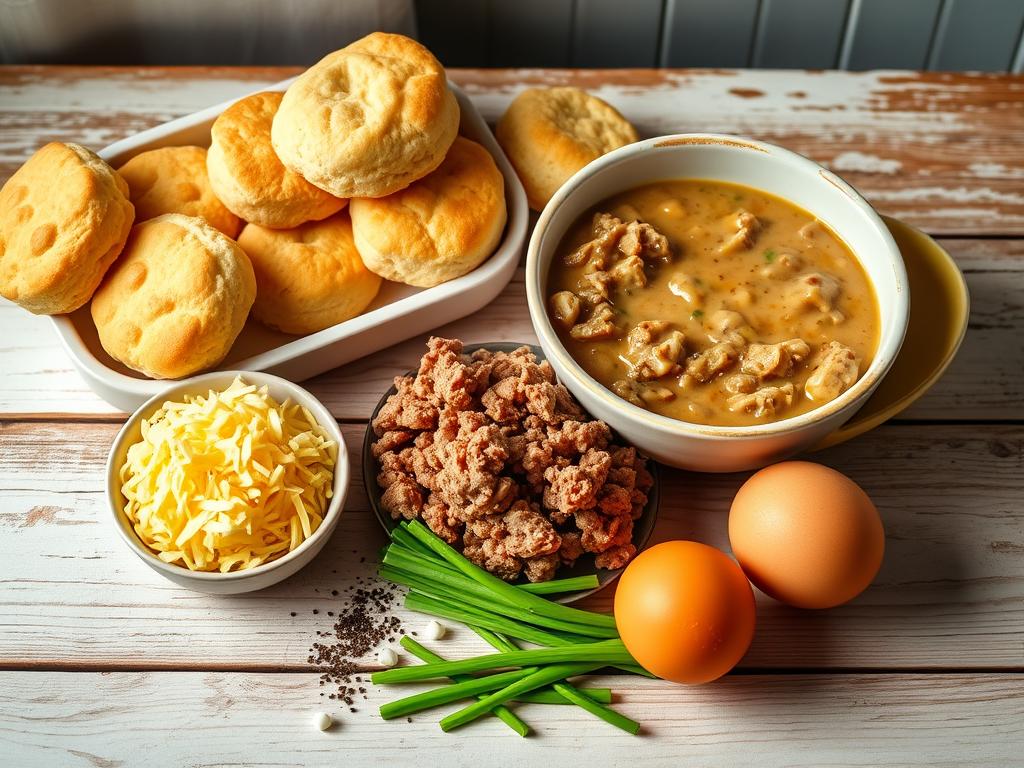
228, 481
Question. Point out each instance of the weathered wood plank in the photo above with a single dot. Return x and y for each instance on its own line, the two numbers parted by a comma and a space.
934, 149
984, 382
943, 150
951, 590
798, 720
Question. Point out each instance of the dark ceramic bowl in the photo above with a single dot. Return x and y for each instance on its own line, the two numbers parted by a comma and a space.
642, 528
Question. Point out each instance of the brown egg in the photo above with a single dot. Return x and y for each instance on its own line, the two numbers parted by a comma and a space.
806, 535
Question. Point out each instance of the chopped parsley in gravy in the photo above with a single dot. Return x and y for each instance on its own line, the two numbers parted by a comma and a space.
713, 303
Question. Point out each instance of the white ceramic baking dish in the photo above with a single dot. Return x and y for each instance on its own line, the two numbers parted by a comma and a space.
398, 312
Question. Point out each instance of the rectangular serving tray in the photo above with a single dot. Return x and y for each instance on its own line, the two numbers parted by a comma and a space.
399, 311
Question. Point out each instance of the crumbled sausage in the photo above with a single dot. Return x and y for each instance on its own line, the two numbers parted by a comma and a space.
629, 273
655, 394
530, 534
595, 287
740, 383
565, 307
496, 457
615, 557
403, 498
716, 359
600, 324
654, 350
607, 231
629, 390
836, 372
542, 567
613, 238
816, 291
729, 326
404, 410
645, 241
766, 361
747, 227
766, 401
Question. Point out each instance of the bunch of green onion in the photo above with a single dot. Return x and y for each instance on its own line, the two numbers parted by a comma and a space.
568, 641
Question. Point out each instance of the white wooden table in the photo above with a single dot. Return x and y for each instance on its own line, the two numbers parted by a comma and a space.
103, 663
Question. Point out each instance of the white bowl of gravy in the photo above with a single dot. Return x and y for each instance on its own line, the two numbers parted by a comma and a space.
722, 303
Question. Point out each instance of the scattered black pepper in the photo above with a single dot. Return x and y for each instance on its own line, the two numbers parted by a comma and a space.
315, 611
363, 622
294, 613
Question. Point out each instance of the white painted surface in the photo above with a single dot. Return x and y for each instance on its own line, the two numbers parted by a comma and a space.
948, 603
200, 719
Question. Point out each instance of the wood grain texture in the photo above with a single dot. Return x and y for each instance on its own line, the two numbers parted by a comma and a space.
207, 719
950, 594
942, 151
926, 668
37, 377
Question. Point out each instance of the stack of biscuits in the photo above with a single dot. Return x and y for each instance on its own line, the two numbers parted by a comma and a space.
304, 202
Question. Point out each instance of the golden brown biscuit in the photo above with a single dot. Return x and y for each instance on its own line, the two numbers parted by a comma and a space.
177, 298
439, 227
247, 176
550, 133
174, 180
64, 217
310, 277
369, 119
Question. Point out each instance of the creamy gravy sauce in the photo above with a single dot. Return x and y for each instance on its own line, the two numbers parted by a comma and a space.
745, 270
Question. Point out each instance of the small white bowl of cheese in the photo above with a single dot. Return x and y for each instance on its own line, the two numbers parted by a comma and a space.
228, 482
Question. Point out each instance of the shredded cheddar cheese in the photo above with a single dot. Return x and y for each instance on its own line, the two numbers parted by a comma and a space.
228, 481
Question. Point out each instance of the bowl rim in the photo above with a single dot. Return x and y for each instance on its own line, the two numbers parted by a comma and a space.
327, 422
605, 576
848, 401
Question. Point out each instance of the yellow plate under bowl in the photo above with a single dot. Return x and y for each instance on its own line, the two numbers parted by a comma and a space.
939, 307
